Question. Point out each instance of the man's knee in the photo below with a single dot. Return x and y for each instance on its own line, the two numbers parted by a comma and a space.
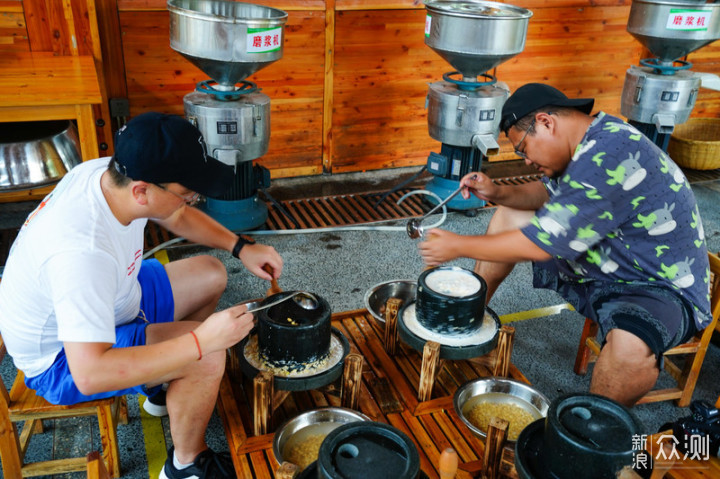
214, 272
628, 352
508, 219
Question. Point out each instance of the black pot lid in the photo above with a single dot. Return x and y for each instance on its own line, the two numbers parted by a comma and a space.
528, 457
594, 430
596, 427
368, 449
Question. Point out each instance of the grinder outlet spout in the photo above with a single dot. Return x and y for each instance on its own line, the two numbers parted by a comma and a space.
487, 144
665, 123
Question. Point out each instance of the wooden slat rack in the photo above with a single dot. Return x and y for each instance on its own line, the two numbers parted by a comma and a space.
388, 394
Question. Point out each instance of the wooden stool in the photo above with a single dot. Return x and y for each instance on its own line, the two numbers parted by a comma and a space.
266, 399
21, 404
686, 375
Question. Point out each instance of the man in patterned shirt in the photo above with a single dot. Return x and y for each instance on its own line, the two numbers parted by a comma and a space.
613, 227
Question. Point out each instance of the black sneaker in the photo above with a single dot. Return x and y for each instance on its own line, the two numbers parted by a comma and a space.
207, 465
155, 405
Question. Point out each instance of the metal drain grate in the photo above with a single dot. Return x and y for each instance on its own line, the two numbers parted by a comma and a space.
701, 176
343, 210
336, 210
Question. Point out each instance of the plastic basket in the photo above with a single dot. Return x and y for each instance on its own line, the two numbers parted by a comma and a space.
696, 144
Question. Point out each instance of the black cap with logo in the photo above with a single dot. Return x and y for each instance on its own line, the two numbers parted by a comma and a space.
159, 148
533, 96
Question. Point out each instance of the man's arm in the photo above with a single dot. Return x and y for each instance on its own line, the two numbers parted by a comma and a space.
198, 227
98, 367
508, 247
526, 196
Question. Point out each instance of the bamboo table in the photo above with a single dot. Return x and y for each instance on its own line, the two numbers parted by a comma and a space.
388, 393
39, 86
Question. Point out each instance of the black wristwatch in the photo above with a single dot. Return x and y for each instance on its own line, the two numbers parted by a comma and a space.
242, 241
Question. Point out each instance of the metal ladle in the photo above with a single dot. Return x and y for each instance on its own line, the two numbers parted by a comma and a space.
304, 299
413, 228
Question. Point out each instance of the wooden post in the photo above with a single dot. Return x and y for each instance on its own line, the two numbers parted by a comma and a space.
448, 464
391, 318
352, 378
262, 401
287, 470
503, 351
584, 354
428, 370
278, 398
494, 444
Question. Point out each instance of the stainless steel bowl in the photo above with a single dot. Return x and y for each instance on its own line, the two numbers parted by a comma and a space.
315, 421
377, 296
34, 154
498, 390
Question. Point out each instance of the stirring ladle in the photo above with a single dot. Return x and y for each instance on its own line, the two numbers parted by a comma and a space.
413, 228
304, 299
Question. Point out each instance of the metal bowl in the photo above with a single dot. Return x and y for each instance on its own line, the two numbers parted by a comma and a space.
377, 296
308, 423
34, 154
498, 390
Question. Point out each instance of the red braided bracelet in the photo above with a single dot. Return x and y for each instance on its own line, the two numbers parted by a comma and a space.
197, 343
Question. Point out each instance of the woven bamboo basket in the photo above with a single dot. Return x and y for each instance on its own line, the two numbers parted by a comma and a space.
696, 144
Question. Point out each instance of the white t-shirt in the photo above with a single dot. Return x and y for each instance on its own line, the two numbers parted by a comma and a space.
71, 274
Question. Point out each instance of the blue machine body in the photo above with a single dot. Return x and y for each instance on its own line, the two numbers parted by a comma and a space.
448, 167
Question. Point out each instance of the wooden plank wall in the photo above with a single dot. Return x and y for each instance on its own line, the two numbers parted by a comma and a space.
349, 93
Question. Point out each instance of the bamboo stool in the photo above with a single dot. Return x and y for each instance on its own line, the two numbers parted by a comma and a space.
266, 400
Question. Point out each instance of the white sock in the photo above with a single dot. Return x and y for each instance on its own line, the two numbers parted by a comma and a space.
177, 463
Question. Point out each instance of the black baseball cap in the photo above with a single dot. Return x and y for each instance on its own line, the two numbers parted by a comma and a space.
533, 96
159, 148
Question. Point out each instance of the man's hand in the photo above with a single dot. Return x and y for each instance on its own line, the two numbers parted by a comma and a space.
480, 185
440, 246
255, 256
225, 328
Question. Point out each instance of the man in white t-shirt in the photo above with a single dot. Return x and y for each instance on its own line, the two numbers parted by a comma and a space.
84, 317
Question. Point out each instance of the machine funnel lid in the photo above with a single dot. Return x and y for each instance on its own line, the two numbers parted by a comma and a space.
229, 41
475, 36
671, 29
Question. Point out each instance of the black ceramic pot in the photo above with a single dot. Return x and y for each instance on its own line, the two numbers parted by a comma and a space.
368, 449
289, 334
583, 436
438, 306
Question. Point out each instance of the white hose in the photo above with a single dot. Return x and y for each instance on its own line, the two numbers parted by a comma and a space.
330, 229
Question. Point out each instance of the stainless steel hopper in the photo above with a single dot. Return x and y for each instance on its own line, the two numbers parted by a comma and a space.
671, 29
475, 36
217, 37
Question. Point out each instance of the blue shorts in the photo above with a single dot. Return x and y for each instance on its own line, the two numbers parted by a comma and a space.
653, 313
156, 306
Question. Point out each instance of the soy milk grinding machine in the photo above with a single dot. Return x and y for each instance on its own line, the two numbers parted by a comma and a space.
661, 93
464, 109
229, 41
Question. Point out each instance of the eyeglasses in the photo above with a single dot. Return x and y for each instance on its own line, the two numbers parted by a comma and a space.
190, 199
519, 153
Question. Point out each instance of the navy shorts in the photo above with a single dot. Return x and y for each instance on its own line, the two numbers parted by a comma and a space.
654, 314
156, 306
